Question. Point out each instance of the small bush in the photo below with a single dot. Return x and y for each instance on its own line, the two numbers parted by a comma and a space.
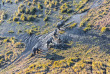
29, 4
23, 17
21, 8
103, 29
40, 15
1, 56
73, 25
5, 40
3, 16
19, 45
15, 18
16, 1
8, 53
31, 18
7, 1
87, 29
46, 18
40, 6
61, 32
30, 32
27, 11
32, 10
11, 31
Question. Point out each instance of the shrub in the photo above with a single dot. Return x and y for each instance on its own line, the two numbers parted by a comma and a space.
11, 31
45, 31
30, 32
27, 11
15, 19
16, 1
40, 6
32, 10
3, 16
38, 33
21, 5
1, 56
19, 45
19, 31
40, 15
21, 8
65, 8
18, 14
7, 1
87, 29
23, 17
5, 40
69, 10
29, 4
103, 29
35, 1
8, 53
11, 2
61, 32
73, 25
46, 18
30, 18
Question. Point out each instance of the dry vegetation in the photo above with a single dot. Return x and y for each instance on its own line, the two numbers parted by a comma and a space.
78, 59
98, 18
10, 49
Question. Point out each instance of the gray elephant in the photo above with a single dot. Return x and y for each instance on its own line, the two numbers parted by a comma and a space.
60, 24
49, 41
34, 50
55, 32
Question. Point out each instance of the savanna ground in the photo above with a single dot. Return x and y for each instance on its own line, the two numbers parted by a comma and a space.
85, 37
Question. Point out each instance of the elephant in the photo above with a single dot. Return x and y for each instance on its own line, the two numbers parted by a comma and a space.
55, 32
60, 24
34, 50
49, 41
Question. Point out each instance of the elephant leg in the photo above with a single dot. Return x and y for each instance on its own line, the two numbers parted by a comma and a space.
34, 52
47, 45
59, 28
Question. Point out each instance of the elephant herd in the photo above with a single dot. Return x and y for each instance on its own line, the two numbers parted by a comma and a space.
50, 40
